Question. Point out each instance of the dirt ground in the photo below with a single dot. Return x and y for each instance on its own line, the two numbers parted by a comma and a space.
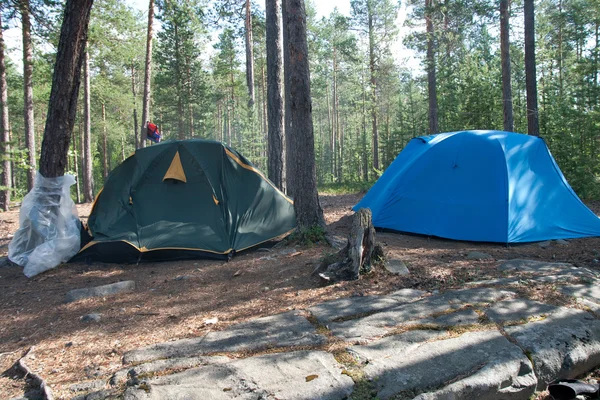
174, 300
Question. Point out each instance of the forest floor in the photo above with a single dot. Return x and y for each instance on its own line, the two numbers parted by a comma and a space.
179, 299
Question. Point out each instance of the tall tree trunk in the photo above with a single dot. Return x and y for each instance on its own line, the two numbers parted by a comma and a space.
509, 123
287, 122
147, 75
301, 158
76, 164
335, 120
104, 143
88, 179
5, 178
65, 87
431, 78
28, 93
134, 96
533, 127
249, 56
275, 106
372, 69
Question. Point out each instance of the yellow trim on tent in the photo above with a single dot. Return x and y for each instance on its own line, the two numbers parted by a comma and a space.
251, 168
143, 249
175, 171
95, 200
215, 200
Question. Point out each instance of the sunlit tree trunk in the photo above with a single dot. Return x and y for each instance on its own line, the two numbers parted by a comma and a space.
275, 105
249, 56
65, 87
431, 77
301, 158
28, 93
5, 178
533, 127
509, 124
88, 182
147, 75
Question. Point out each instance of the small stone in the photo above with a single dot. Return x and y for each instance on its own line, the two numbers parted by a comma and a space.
562, 242
91, 318
182, 278
211, 321
266, 289
238, 273
545, 244
478, 255
397, 267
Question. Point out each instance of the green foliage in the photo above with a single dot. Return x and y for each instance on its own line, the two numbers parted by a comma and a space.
308, 237
336, 188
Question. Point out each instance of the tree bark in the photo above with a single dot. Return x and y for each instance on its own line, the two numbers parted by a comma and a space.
289, 177
301, 158
533, 127
275, 106
65, 87
88, 179
134, 95
355, 258
28, 93
5, 178
104, 143
431, 78
147, 75
249, 56
509, 123
372, 69
76, 164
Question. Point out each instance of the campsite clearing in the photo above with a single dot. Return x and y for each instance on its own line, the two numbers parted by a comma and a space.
184, 299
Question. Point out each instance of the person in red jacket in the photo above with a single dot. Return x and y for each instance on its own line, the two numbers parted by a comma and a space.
152, 132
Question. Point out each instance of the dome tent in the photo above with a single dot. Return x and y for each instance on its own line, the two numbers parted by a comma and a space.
184, 199
487, 186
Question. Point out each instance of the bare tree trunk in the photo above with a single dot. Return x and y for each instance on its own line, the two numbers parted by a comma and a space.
65, 87
431, 78
275, 105
147, 75
301, 158
249, 56
289, 177
5, 178
104, 143
28, 93
76, 164
88, 179
373, 71
533, 127
134, 95
509, 123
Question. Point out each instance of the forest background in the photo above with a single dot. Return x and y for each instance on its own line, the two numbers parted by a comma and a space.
368, 100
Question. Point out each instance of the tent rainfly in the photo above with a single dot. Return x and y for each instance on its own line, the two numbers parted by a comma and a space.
485, 186
184, 199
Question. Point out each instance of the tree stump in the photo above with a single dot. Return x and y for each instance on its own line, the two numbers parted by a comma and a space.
355, 258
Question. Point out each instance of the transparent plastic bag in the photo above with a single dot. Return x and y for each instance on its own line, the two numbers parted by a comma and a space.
49, 227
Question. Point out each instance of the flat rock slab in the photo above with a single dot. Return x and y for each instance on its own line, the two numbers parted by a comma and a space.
293, 376
587, 292
408, 314
475, 365
534, 267
357, 305
518, 310
281, 330
100, 291
170, 364
563, 345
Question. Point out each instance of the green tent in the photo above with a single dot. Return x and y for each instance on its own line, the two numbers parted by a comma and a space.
184, 199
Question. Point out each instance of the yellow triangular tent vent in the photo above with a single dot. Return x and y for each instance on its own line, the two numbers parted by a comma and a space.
175, 171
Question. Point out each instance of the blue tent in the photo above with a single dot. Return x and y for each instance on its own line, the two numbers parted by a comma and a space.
487, 186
